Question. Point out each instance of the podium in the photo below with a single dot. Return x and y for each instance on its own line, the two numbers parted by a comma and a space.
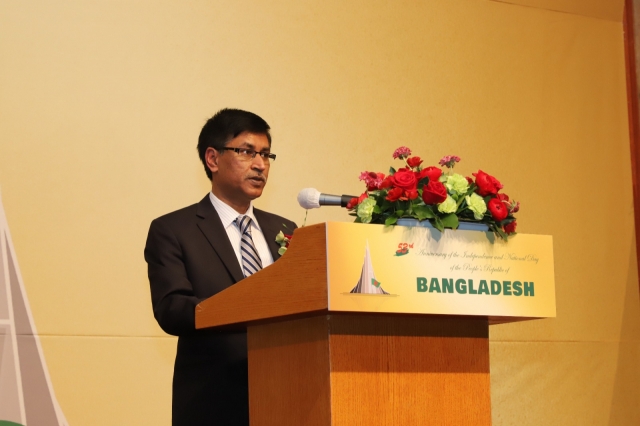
312, 365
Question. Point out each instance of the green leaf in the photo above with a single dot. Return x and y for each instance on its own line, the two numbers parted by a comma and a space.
501, 234
423, 212
450, 221
392, 171
8, 423
399, 213
438, 224
376, 209
424, 181
391, 220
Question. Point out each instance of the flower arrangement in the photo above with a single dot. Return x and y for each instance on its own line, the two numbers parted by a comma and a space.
426, 193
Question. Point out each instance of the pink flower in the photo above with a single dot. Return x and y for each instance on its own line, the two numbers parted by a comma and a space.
401, 153
373, 180
449, 161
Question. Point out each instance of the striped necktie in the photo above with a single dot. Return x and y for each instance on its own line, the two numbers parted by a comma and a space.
251, 262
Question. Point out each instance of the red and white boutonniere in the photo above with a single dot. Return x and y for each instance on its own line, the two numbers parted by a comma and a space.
284, 239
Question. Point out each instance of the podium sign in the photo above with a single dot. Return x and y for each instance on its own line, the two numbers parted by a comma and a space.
372, 268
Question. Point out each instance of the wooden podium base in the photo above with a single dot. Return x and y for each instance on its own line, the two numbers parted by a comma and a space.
370, 370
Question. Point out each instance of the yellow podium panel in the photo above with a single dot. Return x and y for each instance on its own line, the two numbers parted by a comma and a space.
373, 268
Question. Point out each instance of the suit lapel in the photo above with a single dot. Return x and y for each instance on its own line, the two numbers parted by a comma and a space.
270, 229
212, 228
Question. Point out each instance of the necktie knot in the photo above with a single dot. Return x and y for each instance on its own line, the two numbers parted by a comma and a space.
243, 222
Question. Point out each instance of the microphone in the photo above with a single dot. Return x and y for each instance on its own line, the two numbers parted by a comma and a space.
311, 198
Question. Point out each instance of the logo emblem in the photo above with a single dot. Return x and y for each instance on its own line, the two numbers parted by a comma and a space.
403, 248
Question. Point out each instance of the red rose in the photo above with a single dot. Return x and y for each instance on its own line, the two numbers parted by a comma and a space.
411, 194
487, 184
510, 228
404, 179
469, 180
386, 183
434, 192
355, 201
498, 209
394, 194
421, 174
414, 162
433, 173
504, 197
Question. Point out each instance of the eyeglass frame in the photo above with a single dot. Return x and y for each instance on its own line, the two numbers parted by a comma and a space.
266, 156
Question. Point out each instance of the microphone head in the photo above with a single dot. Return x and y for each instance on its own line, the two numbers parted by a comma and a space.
309, 198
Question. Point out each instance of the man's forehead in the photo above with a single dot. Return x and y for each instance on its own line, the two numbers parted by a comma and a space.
250, 140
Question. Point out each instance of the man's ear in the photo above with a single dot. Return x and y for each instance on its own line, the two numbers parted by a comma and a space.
211, 157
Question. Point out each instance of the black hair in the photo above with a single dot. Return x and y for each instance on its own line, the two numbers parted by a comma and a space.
225, 125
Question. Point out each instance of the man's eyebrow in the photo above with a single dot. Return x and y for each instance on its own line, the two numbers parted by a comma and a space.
248, 145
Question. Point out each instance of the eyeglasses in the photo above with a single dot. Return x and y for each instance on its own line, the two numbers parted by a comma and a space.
249, 154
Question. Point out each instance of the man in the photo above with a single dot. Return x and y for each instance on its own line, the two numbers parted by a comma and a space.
198, 251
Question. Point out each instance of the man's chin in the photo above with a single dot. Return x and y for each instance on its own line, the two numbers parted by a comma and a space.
254, 193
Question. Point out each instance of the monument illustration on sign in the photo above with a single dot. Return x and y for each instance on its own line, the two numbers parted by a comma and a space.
367, 283
26, 393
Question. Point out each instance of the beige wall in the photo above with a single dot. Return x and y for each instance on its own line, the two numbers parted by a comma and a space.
101, 103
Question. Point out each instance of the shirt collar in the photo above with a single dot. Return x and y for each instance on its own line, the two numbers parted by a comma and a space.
227, 213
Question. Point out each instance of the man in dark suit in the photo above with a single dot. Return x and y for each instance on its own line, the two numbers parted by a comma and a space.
198, 251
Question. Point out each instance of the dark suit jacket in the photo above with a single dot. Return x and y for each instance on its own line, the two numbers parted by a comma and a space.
189, 259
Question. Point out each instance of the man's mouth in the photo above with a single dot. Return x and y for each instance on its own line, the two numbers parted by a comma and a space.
258, 179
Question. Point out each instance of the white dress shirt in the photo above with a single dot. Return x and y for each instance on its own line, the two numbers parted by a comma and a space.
228, 215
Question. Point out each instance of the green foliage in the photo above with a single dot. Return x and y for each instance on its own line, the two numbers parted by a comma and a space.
423, 212
450, 221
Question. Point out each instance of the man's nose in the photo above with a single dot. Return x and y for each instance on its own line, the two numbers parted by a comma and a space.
259, 163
